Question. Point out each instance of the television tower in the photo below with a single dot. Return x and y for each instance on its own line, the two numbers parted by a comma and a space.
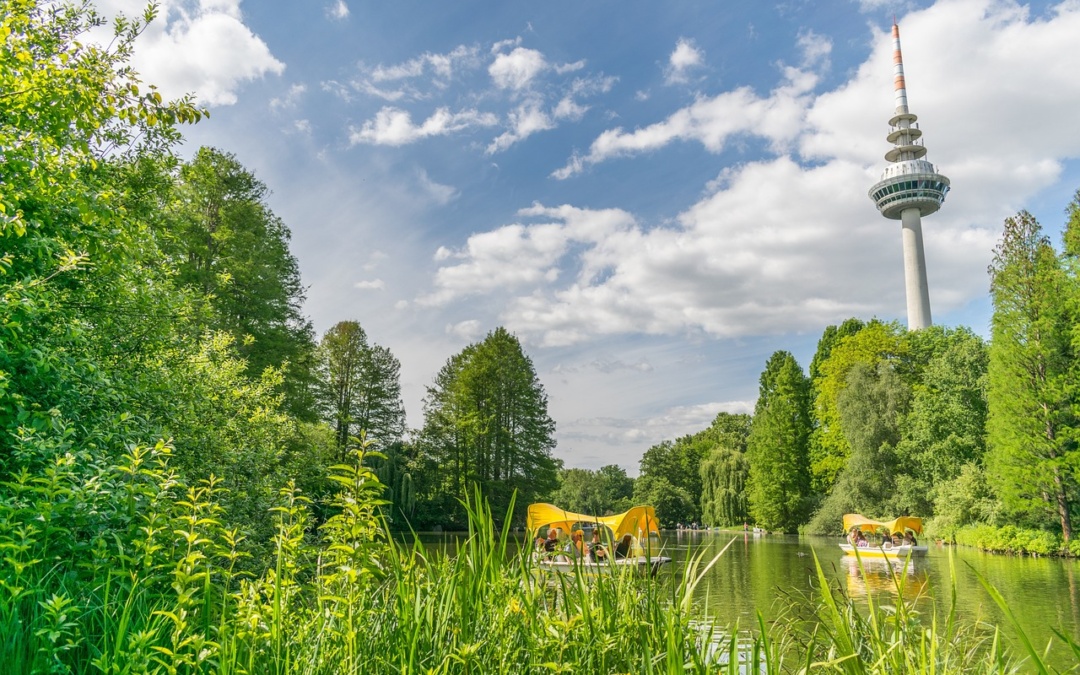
910, 188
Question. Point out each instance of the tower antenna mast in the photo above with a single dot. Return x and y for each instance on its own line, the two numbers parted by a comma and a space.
910, 188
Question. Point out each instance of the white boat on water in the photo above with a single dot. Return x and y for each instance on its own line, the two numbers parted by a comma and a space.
855, 523
643, 564
626, 540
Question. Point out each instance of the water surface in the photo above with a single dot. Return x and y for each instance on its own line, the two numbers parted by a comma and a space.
767, 572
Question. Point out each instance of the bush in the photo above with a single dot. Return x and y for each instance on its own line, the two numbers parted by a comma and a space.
1010, 539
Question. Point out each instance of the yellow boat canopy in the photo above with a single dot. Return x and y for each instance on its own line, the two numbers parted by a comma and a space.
899, 525
636, 521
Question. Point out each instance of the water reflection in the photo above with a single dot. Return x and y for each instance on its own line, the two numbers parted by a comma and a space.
769, 572
884, 576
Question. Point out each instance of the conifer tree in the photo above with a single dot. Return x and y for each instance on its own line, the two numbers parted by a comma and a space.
1033, 386
778, 446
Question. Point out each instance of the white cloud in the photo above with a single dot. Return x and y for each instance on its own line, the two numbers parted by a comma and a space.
370, 285
521, 255
289, 99
439, 193
525, 121
569, 109
416, 79
467, 330
393, 126
517, 69
563, 68
815, 49
711, 122
203, 48
338, 10
606, 366
791, 242
685, 58
646, 431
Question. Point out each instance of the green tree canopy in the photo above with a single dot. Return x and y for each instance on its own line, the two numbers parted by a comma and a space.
778, 446
602, 492
1033, 378
230, 248
873, 343
359, 387
486, 426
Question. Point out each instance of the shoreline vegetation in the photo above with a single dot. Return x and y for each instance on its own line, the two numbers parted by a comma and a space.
143, 296
170, 595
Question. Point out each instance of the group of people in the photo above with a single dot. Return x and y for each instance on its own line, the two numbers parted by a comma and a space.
857, 538
552, 548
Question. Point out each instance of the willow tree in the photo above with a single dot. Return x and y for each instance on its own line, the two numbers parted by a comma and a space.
778, 446
1033, 377
724, 471
723, 487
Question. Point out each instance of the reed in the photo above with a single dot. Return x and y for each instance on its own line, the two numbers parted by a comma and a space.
161, 585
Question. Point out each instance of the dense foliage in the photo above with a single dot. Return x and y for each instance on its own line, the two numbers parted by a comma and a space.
778, 446
486, 426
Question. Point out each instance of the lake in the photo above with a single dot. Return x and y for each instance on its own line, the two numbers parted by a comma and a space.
760, 572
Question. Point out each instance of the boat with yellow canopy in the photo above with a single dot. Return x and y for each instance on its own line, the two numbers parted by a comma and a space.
637, 551
853, 522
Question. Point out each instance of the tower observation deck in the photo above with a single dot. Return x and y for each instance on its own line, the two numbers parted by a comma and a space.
910, 188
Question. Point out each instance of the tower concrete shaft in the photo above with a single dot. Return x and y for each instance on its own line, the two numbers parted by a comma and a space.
910, 188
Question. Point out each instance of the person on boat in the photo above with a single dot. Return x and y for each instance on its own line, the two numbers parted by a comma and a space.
909, 539
896, 540
552, 541
596, 549
622, 550
860, 540
576, 547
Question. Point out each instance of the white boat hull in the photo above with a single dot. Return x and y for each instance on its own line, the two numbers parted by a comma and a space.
648, 565
884, 552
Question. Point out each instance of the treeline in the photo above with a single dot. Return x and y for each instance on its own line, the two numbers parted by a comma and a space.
980, 438
144, 297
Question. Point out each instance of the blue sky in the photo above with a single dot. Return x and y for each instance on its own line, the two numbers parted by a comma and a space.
654, 196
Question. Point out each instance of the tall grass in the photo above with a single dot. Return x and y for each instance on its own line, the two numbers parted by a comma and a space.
126, 570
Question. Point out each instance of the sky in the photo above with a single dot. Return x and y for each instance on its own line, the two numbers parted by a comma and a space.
653, 196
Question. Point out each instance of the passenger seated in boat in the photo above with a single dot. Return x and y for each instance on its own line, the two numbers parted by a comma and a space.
886, 541
597, 553
896, 540
860, 540
552, 541
576, 547
909, 539
622, 550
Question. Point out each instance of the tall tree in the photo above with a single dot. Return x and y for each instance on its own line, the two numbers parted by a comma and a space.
487, 425
360, 388
231, 248
778, 446
1033, 383
873, 343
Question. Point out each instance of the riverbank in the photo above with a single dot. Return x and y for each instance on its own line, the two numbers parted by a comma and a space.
170, 598
1012, 540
